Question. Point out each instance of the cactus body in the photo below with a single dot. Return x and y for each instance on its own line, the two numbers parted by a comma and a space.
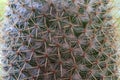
59, 40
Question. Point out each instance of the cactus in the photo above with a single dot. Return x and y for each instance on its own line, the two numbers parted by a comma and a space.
59, 40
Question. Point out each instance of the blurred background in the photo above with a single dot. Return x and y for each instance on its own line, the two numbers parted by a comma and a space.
3, 3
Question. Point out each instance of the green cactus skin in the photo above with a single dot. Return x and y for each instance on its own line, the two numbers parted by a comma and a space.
59, 40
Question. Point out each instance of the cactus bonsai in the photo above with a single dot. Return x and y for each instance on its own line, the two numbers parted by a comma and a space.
59, 40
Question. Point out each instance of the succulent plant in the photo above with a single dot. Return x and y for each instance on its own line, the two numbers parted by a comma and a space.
59, 40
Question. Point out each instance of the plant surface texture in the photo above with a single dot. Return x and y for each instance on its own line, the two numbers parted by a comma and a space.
59, 40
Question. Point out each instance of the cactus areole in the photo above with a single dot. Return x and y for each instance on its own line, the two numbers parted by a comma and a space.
59, 40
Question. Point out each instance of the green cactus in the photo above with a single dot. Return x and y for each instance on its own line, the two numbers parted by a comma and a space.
59, 40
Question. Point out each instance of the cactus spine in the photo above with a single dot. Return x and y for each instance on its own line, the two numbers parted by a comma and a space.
59, 40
